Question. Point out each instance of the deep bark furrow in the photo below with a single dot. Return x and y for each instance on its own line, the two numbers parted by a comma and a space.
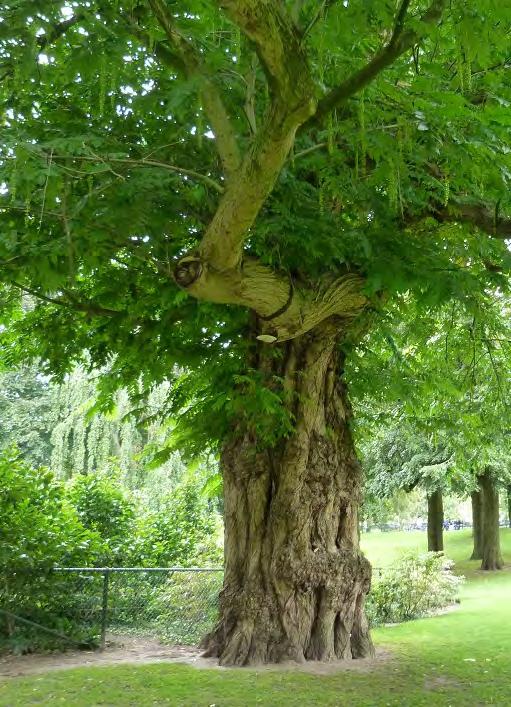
295, 579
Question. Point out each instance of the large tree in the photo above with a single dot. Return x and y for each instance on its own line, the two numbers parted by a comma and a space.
225, 195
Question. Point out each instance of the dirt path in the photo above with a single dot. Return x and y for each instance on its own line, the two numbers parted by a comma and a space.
139, 651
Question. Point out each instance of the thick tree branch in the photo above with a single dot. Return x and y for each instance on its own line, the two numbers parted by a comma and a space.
286, 309
184, 57
222, 244
400, 41
477, 215
277, 41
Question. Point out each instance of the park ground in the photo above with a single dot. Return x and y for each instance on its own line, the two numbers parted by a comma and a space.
462, 657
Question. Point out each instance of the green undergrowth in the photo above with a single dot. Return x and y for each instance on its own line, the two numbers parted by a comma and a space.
457, 658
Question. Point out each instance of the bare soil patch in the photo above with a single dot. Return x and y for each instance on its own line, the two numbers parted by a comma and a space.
138, 650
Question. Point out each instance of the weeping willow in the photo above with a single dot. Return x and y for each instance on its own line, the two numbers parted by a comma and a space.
84, 441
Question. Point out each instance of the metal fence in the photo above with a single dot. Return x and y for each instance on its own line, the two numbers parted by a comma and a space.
88, 606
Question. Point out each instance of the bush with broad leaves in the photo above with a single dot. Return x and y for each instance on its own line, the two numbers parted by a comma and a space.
415, 587
39, 530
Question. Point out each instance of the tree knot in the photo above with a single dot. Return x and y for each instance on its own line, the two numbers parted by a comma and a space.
188, 270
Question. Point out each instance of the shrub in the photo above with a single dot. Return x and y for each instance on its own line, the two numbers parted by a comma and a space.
183, 532
103, 507
416, 586
177, 607
38, 530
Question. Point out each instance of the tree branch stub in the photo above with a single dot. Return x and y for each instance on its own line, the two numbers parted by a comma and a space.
286, 309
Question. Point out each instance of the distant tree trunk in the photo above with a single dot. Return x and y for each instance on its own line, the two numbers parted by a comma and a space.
435, 522
509, 505
477, 524
295, 579
492, 558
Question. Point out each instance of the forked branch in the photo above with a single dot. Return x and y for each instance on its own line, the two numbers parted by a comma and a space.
268, 25
401, 40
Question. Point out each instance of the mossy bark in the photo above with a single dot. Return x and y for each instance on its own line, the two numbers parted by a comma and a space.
477, 525
295, 579
435, 522
492, 558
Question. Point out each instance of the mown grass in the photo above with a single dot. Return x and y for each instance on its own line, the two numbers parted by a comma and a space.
384, 549
459, 658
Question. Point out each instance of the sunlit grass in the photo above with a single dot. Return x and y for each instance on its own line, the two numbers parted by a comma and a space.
384, 549
459, 658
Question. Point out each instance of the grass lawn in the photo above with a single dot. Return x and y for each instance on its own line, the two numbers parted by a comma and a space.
459, 658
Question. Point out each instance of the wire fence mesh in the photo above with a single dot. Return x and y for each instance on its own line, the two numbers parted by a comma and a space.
85, 605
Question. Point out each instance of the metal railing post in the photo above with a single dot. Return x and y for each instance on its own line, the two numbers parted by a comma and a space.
104, 609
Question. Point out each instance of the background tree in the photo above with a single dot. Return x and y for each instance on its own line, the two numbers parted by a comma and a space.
477, 524
400, 458
26, 411
102, 507
451, 399
313, 182
491, 555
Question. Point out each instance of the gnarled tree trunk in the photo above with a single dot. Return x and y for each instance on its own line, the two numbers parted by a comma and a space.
435, 522
477, 524
492, 558
295, 579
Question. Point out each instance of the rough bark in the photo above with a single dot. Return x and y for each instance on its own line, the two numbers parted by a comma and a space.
492, 558
295, 579
477, 525
435, 522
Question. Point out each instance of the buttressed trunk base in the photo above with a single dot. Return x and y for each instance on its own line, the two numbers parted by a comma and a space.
295, 580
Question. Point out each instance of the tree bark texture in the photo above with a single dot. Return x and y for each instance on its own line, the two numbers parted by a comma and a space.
492, 558
477, 525
435, 522
295, 579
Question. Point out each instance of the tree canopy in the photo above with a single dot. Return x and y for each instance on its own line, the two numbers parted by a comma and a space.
370, 143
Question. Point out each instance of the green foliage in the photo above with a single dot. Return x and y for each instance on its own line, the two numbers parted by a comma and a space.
401, 507
38, 531
183, 531
90, 225
104, 508
89, 521
414, 587
437, 413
